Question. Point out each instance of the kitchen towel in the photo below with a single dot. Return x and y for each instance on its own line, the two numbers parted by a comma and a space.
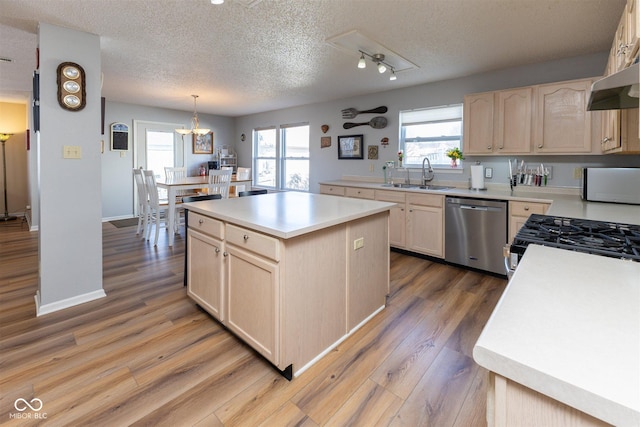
477, 177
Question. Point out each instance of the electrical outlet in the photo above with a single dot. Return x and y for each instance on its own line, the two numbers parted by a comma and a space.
577, 173
391, 164
488, 173
371, 168
358, 244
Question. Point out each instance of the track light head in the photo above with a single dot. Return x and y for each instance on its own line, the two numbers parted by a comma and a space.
393, 75
362, 63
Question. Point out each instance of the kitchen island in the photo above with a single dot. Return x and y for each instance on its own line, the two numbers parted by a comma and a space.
563, 343
292, 274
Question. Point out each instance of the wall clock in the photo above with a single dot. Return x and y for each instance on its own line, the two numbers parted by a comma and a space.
71, 86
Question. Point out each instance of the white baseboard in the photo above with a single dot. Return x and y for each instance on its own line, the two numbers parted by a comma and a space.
66, 303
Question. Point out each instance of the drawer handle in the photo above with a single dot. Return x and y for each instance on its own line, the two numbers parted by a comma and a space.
245, 237
201, 221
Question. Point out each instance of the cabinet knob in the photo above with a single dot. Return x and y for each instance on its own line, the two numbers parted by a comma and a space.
217, 249
526, 208
500, 148
245, 237
201, 221
225, 253
606, 139
488, 147
539, 145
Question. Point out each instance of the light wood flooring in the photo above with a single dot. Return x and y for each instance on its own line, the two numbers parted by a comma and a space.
147, 355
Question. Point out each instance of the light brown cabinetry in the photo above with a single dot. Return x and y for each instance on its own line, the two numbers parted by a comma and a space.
252, 289
205, 264
331, 189
563, 124
519, 213
360, 193
425, 224
510, 403
397, 216
478, 123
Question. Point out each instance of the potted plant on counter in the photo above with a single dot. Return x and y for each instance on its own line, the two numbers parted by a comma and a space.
454, 154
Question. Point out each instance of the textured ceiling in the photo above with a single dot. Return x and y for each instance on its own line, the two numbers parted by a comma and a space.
248, 56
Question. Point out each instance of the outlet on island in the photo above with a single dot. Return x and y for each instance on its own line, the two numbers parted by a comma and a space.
358, 243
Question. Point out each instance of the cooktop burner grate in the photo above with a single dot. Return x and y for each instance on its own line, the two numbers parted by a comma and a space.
595, 237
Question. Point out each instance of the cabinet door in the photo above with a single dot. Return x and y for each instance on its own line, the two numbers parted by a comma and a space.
610, 138
360, 193
478, 123
252, 301
425, 227
514, 117
397, 226
331, 189
205, 272
563, 124
519, 212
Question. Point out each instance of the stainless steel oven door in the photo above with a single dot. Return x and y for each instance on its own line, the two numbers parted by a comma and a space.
510, 261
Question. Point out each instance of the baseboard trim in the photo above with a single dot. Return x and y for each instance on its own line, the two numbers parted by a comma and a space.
42, 309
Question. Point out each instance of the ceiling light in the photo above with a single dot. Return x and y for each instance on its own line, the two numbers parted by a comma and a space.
381, 68
362, 63
379, 60
393, 75
195, 123
217, 1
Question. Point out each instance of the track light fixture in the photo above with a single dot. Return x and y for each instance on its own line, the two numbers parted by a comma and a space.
378, 59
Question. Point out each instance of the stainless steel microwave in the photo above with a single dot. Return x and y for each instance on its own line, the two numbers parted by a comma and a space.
614, 185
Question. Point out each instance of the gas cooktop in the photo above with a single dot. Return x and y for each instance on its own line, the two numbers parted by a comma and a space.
594, 237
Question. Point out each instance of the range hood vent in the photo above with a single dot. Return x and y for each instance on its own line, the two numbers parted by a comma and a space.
617, 91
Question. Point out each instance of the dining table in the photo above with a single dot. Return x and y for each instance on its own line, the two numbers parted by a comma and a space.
173, 186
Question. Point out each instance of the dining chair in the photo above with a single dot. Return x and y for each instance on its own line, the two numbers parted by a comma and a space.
241, 175
219, 181
157, 212
252, 193
143, 202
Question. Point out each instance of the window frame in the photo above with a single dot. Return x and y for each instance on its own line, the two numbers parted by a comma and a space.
440, 161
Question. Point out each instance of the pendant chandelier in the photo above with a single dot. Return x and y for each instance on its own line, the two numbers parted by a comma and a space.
195, 123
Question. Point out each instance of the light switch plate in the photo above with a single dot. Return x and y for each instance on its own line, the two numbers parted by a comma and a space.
72, 152
488, 173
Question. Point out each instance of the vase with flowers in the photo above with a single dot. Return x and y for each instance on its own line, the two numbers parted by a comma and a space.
400, 157
454, 154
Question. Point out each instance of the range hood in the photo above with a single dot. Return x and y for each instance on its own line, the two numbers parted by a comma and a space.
617, 91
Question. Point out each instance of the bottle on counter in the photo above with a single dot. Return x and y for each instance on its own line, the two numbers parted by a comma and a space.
203, 171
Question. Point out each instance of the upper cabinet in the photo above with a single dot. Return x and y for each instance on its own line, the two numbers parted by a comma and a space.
543, 119
563, 124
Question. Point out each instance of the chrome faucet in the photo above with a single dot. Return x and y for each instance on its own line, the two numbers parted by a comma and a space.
424, 172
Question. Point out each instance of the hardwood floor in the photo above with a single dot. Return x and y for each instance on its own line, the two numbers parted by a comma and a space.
147, 355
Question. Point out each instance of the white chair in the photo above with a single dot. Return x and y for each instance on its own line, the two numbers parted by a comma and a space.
219, 181
173, 173
143, 202
157, 212
241, 175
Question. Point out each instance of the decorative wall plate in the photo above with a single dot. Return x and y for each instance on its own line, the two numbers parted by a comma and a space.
71, 86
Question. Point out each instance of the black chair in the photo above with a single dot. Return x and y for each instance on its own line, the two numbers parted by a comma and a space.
251, 193
200, 198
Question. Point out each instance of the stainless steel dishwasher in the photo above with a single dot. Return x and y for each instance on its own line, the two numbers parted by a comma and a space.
475, 233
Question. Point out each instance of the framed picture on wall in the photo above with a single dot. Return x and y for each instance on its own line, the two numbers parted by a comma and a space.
350, 147
119, 137
203, 144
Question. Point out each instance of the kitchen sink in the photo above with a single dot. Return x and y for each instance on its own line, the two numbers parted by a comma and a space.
434, 187
421, 187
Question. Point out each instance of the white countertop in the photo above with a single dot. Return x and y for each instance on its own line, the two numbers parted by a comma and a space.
288, 214
562, 204
570, 333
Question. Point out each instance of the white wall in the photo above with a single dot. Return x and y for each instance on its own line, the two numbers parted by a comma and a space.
324, 161
70, 243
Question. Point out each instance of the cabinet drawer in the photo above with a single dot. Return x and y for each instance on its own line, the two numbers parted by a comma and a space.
527, 208
360, 193
426, 200
331, 189
206, 225
261, 244
390, 196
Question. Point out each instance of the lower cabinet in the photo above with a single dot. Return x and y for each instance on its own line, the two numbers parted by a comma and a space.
397, 217
252, 300
519, 213
425, 224
511, 404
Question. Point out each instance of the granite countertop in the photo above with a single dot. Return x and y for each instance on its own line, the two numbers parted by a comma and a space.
288, 214
570, 333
